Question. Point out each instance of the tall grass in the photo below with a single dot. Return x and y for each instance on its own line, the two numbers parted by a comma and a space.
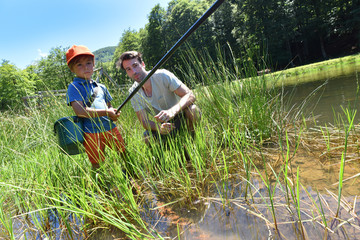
5, 220
350, 116
240, 116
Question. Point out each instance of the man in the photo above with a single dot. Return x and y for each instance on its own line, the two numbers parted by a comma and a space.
163, 96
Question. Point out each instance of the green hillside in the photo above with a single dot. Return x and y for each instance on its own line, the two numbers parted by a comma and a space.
104, 54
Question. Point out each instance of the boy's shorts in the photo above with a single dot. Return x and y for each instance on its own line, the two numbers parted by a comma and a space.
179, 121
95, 144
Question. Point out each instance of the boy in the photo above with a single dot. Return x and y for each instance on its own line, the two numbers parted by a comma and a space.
91, 101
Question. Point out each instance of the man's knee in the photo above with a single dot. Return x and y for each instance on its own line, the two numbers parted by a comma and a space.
149, 135
193, 113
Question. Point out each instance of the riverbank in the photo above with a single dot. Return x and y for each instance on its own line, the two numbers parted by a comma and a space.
316, 71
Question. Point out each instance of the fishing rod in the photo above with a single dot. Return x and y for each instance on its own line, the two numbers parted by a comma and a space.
173, 49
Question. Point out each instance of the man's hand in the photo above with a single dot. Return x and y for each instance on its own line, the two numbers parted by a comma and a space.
111, 112
166, 128
165, 115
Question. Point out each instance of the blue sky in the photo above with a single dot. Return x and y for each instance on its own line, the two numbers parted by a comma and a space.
30, 28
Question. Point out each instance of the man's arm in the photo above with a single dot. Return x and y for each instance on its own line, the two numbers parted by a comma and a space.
164, 128
187, 98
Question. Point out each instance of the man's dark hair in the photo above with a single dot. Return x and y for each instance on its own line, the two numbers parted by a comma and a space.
128, 55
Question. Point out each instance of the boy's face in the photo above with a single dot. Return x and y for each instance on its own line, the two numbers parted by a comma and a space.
134, 69
83, 67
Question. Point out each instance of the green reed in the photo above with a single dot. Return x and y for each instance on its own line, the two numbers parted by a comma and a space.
239, 116
286, 168
348, 126
298, 202
42, 177
37, 176
326, 134
6, 225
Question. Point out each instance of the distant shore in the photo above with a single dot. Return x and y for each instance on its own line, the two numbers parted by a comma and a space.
316, 71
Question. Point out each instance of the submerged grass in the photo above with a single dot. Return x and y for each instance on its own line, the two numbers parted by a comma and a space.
244, 140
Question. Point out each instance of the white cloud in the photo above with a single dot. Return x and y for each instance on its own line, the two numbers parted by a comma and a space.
41, 54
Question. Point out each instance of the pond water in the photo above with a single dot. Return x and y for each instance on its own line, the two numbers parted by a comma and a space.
323, 98
238, 217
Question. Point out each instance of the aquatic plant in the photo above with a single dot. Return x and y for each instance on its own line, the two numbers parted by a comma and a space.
241, 159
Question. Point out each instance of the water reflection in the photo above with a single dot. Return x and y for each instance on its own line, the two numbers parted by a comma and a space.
333, 94
26, 226
253, 219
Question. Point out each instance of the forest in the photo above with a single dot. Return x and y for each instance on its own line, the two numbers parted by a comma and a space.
280, 34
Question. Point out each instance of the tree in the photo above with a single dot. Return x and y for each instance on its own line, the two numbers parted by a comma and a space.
269, 25
153, 44
345, 26
52, 70
181, 15
15, 84
314, 21
130, 41
223, 24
